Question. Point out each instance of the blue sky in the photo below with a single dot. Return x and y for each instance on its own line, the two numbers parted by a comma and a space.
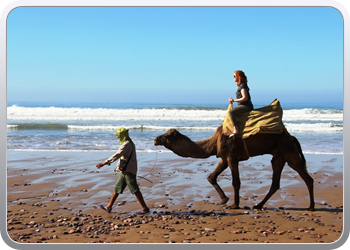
175, 54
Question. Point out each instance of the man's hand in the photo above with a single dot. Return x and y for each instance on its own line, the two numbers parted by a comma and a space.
100, 165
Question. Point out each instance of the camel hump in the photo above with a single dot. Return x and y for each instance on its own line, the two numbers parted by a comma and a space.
265, 120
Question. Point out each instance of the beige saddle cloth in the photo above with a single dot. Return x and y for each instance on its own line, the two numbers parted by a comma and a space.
265, 120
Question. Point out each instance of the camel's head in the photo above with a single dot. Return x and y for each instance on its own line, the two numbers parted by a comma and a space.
167, 138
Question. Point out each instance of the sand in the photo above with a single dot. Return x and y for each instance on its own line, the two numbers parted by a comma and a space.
54, 197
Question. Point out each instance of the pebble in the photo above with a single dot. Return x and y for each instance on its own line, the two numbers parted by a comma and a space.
236, 232
99, 227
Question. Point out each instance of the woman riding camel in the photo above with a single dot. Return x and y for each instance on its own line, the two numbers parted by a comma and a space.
242, 98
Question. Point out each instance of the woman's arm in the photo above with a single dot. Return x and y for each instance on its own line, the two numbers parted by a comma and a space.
243, 99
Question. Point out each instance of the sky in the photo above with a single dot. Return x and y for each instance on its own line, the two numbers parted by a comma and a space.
174, 54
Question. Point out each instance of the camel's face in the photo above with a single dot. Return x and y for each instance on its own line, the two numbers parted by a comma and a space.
166, 139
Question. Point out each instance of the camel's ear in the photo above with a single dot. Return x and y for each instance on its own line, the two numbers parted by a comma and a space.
175, 133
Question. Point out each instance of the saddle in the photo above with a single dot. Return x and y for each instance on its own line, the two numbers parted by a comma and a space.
265, 120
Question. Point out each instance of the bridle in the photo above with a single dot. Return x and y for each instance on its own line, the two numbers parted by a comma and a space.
143, 177
161, 140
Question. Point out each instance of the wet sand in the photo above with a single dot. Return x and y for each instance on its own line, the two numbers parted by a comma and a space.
54, 197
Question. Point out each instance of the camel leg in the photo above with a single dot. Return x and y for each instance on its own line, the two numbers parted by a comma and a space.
309, 181
236, 182
213, 177
277, 167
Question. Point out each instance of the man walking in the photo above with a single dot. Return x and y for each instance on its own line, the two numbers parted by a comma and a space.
127, 177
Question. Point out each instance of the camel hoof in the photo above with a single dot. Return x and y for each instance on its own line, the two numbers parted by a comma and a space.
310, 209
233, 206
224, 200
257, 207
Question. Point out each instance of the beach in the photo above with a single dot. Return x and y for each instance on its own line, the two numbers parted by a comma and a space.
54, 197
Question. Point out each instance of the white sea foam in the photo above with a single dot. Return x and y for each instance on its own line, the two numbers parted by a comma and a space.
292, 127
61, 114
139, 127
90, 128
316, 127
87, 114
302, 127
312, 115
102, 119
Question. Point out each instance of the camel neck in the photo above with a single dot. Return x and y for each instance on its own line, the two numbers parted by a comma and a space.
208, 147
188, 148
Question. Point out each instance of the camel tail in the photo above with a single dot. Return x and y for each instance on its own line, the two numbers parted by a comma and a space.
302, 158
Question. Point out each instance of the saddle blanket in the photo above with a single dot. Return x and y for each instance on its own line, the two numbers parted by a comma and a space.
265, 120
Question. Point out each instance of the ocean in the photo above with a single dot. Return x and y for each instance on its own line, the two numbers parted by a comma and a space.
69, 126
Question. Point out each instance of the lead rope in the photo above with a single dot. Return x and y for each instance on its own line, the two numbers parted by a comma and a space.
143, 177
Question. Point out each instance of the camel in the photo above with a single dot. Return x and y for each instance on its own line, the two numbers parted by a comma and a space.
283, 147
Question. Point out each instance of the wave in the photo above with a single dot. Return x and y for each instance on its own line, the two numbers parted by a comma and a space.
154, 114
123, 106
61, 114
292, 127
301, 127
312, 115
140, 127
101, 127
316, 127
38, 126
